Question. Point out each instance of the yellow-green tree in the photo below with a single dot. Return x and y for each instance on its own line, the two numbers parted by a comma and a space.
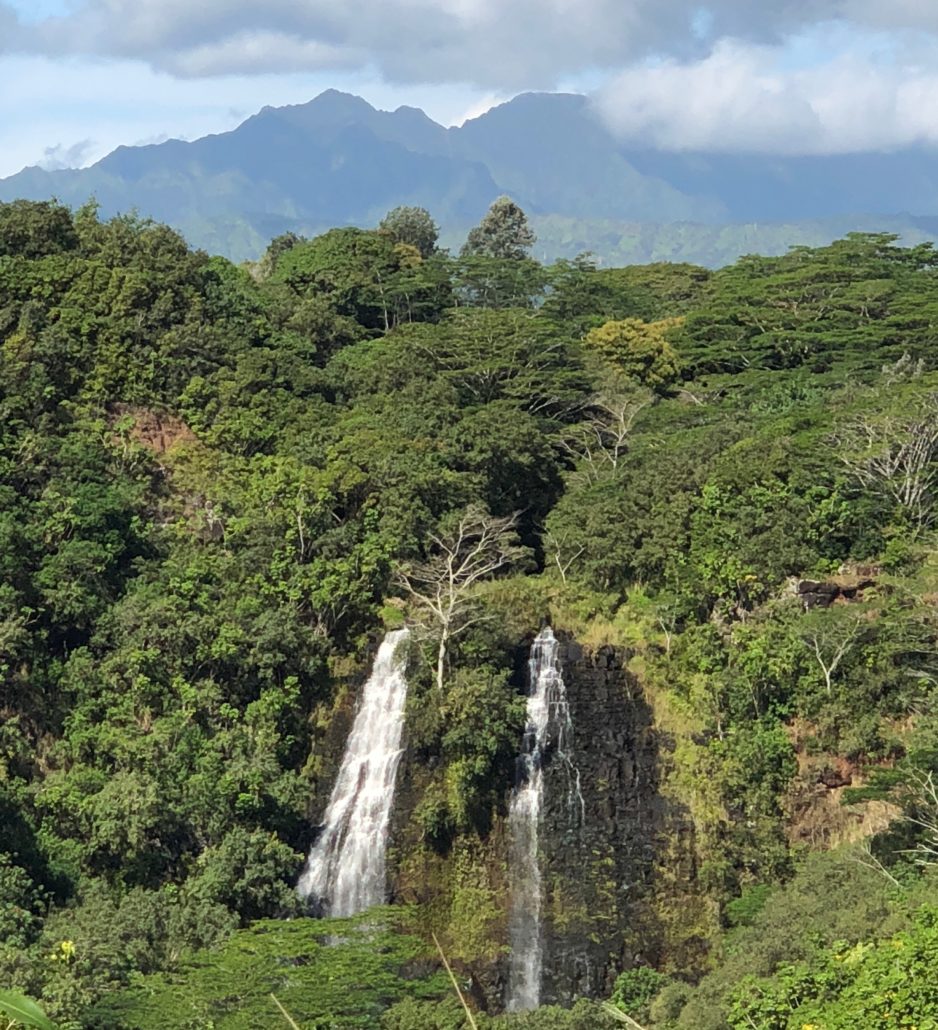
638, 350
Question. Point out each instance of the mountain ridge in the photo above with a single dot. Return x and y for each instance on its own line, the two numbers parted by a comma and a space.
338, 160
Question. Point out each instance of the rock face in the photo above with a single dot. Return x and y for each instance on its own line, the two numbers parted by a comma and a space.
598, 859
841, 591
596, 873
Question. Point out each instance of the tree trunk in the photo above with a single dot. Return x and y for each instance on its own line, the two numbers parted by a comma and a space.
441, 659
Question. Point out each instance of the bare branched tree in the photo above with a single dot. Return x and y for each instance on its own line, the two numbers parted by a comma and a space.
561, 551
904, 369
897, 456
668, 623
924, 806
863, 855
441, 588
831, 642
602, 440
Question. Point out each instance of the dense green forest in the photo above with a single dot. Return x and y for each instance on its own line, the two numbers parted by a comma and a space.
217, 483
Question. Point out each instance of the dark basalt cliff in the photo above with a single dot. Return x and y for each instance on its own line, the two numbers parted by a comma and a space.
600, 847
599, 856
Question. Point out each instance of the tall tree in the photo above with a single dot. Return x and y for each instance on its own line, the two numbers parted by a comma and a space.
278, 246
413, 226
638, 350
441, 588
503, 233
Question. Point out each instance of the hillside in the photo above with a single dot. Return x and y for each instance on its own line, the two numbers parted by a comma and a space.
695, 511
336, 160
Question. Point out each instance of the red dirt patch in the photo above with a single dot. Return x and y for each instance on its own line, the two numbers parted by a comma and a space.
158, 431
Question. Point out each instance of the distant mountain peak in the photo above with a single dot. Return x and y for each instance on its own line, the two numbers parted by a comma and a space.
331, 107
416, 114
338, 100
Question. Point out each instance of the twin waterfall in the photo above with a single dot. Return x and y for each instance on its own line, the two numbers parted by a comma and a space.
548, 731
345, 871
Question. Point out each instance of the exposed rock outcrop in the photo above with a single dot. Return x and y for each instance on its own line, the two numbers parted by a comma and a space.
597, 872
841, 590
599, 852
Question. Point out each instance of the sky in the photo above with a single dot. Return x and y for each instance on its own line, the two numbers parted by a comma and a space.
79, 77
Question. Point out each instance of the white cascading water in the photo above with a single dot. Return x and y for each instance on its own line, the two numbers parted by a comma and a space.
548, 727
345, 871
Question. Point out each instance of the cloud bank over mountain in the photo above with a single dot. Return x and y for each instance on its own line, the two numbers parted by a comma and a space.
739, 98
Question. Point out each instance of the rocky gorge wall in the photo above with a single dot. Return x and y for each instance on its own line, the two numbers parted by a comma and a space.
598, 874
598, 865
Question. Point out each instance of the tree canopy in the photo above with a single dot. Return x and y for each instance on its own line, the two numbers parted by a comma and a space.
218, 487
503, 233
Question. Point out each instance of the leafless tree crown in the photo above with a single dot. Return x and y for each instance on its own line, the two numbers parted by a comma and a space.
441, 587
898, 457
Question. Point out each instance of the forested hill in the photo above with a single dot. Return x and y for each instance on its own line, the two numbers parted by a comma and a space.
336, 161
218, 488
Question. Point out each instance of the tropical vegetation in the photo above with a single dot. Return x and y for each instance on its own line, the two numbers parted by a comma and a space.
218, 484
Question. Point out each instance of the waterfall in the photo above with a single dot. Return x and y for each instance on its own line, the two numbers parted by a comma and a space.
548, 734
345, 871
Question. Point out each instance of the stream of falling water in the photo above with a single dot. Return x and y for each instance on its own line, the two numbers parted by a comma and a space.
548, 731
345, 871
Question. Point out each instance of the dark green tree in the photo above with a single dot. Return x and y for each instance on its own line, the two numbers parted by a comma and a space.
413, 226
503, 233
277, 247
34, 229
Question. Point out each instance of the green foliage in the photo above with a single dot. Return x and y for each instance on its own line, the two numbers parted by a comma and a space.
849, 302
20, 904
210, 480
583, 295
349, 267
415, 1015
248, 872
742, 911
584, 1015
636, 989
666, 1009
639, 350
33, 230
277, 247
335, 973
503, 233
413, 227
876, 984
484, 716
365, 276
490, 282
22, 1011
831, 897
411, 1014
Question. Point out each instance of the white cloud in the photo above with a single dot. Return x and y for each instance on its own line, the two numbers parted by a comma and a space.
741, 98
10, 29
895, 14
250, 53
480, 107
496, 44
73, 156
